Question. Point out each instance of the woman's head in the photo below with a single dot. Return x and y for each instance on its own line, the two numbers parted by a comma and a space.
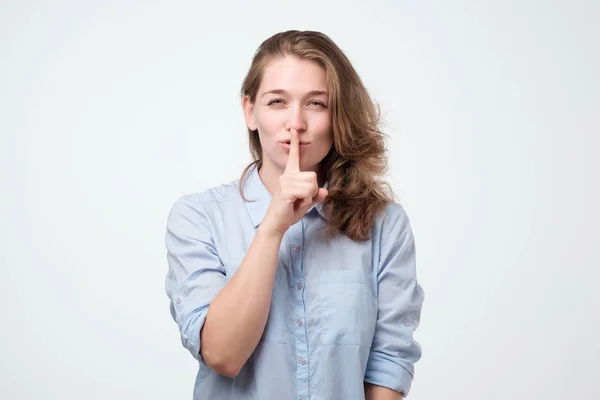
318, 93
292, 94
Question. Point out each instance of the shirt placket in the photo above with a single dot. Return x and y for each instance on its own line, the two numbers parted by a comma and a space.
297, 250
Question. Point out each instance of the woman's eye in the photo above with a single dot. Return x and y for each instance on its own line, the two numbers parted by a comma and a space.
312, 103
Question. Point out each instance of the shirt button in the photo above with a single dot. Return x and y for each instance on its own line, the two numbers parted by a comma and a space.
299, 322
299, 286
296, 247
178, 300
406, 323
302, 361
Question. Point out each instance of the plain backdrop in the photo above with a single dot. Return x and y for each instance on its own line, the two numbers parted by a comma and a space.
110, 110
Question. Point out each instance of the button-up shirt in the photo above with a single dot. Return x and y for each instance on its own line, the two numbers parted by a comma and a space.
342, 312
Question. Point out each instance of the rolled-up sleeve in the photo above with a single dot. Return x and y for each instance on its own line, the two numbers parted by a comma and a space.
195, 272
400, 299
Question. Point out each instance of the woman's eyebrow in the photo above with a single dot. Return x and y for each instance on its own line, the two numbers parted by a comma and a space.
284, 92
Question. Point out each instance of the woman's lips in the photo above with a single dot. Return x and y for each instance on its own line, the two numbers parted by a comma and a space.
286, 146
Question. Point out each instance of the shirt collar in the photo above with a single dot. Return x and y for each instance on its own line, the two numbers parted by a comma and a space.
259, 198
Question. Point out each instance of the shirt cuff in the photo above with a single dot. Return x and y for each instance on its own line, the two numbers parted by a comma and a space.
389, 374
190, 334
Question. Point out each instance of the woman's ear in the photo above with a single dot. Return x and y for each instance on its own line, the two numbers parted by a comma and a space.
248, 108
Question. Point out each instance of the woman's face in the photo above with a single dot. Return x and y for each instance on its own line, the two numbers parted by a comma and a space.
292, 95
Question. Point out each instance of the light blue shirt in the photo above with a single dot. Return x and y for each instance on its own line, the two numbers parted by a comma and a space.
341, 313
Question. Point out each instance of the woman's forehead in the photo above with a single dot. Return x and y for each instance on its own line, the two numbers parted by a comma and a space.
294, 76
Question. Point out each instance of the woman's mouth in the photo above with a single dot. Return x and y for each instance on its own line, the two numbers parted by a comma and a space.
286, 145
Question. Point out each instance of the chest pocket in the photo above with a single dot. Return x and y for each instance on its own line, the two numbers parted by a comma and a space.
347, 308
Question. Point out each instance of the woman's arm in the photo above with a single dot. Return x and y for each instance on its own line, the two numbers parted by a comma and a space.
394, 351
237, 316
220, 318
374, 392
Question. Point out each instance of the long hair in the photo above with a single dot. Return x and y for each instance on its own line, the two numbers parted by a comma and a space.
357, 160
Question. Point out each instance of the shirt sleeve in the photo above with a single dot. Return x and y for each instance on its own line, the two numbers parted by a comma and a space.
400, 299
195, 274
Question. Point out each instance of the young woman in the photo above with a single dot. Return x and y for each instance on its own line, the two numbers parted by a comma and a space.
298, 280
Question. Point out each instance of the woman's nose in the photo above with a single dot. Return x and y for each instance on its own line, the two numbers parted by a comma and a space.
296, 119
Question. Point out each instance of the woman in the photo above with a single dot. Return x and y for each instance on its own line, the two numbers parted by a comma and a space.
298, 280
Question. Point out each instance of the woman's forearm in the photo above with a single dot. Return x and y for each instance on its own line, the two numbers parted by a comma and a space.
237, 316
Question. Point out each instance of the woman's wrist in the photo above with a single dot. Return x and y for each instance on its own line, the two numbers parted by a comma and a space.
269, 231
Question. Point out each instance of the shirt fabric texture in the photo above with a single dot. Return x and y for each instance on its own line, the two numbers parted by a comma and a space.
341, 313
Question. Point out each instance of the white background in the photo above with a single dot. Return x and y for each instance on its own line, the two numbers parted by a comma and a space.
109, 111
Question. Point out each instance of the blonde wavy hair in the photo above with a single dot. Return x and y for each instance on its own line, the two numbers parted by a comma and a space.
357, 160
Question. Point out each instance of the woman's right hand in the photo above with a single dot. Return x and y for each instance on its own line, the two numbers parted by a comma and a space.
298, 191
